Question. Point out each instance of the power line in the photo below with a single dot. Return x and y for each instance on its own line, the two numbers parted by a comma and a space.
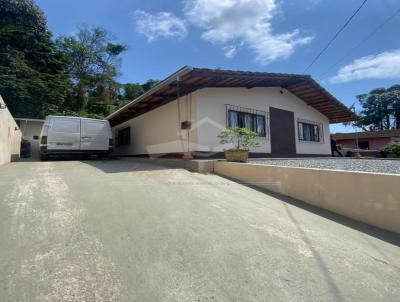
335, 36
369, 36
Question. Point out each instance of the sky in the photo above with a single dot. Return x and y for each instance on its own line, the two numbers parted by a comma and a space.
252, 35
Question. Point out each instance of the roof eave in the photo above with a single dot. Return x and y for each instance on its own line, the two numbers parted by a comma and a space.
181, 72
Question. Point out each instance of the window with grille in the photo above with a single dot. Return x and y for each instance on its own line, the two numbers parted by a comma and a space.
309, 131
246, 118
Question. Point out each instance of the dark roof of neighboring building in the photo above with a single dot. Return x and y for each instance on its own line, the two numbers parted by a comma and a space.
188, 79
367, 134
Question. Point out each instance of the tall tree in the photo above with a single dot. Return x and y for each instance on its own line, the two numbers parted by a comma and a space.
132, 91
32, 78
93, 66
150, 84
381, 109
393, 94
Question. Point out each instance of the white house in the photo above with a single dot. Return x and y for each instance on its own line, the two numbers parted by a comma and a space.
185, 113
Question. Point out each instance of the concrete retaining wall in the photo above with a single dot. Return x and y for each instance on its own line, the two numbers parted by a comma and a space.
368, 197
10, 136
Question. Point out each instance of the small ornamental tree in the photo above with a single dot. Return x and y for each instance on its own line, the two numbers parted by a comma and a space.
242, 138
392, 150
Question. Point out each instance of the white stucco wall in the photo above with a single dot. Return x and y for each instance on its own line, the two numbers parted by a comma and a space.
10, 136
158, 131
211, 113
29, 129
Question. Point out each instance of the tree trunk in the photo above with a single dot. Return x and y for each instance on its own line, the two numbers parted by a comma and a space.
397, 118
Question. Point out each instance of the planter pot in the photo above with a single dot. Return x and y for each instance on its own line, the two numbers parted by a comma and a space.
236, 155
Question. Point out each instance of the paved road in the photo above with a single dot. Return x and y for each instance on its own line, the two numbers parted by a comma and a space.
122, 231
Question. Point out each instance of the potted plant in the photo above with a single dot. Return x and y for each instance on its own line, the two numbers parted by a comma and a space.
242, 138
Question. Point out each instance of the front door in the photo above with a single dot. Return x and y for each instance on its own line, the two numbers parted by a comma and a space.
283, 138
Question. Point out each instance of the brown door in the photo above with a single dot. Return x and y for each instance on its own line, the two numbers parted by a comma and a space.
283, 139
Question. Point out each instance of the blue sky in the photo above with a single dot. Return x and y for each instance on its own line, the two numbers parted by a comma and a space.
255, 35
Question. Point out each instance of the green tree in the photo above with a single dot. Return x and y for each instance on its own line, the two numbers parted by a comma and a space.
93, 61
241, 138
150, 84
132, 91
381, 109
129, 92
393, 94
32, 77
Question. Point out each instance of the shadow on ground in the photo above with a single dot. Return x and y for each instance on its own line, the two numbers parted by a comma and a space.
121, 166
378, 233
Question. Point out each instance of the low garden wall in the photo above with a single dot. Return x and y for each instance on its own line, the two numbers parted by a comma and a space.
372, 198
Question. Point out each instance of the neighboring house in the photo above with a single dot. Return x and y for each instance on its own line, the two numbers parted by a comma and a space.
31, 129
185, 113
368, 140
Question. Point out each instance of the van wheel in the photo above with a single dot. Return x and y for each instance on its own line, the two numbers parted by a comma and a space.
43, 157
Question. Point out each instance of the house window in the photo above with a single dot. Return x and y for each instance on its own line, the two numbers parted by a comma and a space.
124, 137
249, 120
309, 131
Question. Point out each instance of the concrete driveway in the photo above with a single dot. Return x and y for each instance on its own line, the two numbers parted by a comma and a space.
123, 231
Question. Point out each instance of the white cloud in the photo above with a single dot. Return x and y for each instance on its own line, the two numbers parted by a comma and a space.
229, 51
162, 24
385, 65
243, 22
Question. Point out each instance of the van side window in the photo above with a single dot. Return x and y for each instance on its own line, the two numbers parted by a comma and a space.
124, 136
66, 125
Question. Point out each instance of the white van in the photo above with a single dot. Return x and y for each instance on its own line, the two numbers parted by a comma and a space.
67, 135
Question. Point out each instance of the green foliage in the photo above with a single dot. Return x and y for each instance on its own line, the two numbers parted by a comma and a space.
150, 84
75, 75
393, 150
98, 107
33, 82
242, 138
381, 109
93, 62
132, 91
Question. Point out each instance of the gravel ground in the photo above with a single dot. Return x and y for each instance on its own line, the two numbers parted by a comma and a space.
349, 164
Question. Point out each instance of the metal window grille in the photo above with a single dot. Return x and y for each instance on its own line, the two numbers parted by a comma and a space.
305, 125
254, 116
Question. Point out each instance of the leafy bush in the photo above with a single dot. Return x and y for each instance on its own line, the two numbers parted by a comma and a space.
392, 149
242, 138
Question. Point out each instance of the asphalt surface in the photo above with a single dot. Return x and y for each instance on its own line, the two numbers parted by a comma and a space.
122, 231
347, 164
